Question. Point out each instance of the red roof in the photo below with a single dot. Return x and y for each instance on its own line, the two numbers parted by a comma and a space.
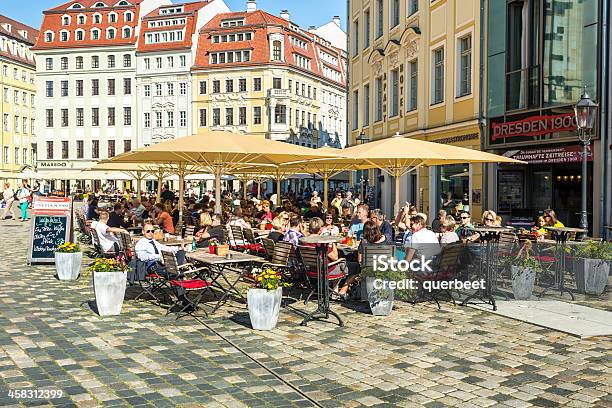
262, 24
52, 21
17, 30
190, 13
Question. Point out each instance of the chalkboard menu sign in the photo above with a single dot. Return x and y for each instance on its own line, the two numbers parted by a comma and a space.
51, 226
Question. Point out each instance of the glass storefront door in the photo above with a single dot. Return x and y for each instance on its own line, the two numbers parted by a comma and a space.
453, 187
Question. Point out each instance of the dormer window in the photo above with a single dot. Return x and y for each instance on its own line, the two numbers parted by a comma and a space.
64, 35
76, 6
97, 18
111, 33
112, 17
23, 33
123, 3
232, 23
100, 4
127, 32
81, 19
95, 34
49, 36
276, 50
80, 35
128, 16
65, 20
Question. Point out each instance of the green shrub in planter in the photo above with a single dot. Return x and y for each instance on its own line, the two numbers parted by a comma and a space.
592, 267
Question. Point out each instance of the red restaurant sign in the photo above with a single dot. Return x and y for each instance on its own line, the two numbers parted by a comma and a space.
533, 126
551, 155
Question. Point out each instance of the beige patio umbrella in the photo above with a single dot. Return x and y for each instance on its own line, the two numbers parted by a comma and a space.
398, 156
323, 168
140, 171
218, 153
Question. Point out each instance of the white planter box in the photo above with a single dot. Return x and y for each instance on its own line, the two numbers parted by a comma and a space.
264, 307
591, 275
523, 280
68, 265
381, 300
109, 288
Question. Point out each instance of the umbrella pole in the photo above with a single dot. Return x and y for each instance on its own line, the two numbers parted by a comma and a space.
138, 182
397, 177
218, 190
278, 188
325, 190
259, 187
181, 174
244, 188
160, 180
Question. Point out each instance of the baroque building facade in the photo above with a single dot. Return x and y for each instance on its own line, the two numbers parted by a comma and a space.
414, 72
262, 75
17, 84
86, 71
165, 55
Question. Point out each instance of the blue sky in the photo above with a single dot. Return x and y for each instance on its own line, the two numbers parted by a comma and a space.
303, 12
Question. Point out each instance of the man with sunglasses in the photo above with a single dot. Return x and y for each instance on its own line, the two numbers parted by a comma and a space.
465, 229
149, 251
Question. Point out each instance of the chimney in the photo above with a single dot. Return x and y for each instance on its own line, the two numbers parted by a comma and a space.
336, 20
284, 14
251, 6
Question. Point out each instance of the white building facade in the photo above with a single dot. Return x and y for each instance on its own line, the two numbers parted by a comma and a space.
165, 55
86, 74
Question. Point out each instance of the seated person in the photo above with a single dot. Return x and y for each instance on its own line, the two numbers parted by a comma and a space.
115, 219
149, 251
329, 228
210, 228
465, 231
356, 228
163, 218
448, 231
295, 231
313, 212
280, 224
385, 227
314, 227
371, 236
108, 241
424, 242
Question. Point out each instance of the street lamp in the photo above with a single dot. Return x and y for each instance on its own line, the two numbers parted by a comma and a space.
586, 111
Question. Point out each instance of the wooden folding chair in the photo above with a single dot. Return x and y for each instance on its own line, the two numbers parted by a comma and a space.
236, 238
268, 245
254, 245
309, 259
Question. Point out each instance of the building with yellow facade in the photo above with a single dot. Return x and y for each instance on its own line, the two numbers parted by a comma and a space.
262, 75
413, 68
17, 70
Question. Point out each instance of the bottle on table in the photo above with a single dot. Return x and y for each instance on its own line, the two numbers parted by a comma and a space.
193, 244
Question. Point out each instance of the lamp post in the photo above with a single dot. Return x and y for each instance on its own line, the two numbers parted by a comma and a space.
362, 139
585, 111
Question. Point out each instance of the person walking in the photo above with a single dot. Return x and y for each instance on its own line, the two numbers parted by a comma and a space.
9, 198
23, 195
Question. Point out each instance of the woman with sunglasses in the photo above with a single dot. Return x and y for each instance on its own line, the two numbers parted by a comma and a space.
489, 219
329, 228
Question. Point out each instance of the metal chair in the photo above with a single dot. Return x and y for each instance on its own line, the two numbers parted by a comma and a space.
188, 278
309, 259
236, 238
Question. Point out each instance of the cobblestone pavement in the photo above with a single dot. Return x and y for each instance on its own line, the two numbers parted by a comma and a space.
418, 356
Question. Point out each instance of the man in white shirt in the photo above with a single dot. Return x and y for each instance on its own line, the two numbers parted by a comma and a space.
423, 242
106, 233
149, 250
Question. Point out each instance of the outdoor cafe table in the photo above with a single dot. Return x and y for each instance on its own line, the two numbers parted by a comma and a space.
561, 236
219, 266
323, 310
489, 237
173, 240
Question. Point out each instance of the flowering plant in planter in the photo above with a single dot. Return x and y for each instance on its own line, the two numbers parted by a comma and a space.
68, 248
212, 245
268, 279
108, 265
